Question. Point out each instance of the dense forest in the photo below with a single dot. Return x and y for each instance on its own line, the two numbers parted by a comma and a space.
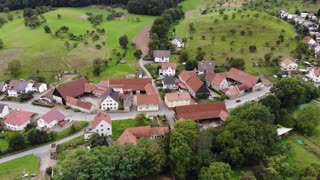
148, 7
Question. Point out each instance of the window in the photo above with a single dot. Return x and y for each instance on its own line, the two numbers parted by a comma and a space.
101, 125
101, 130
108, 128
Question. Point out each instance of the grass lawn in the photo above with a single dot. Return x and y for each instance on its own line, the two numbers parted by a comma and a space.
67, 132
45, 55
219, 42
203, 4
299, 157
118, 126
13, 169
3, 144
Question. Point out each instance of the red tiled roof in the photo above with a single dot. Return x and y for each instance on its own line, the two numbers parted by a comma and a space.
178, 96
130, 135
242, 77
102, 116
191, 79
89, 87
167, 65
316, 71
200, 111
18, 117
79, 103
307, 38
143, 99
233, 91
134, 84
73, 89
52, 115
215, 78
287, 61
149, 89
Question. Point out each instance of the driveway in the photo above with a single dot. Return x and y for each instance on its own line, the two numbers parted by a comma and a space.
248, 97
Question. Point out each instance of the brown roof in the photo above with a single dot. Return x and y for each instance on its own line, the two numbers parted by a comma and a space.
130, 135
79, 103
215, 78
191, 79
208, 66
134, 84
200, 111
242, 77
161, 53
287, 61
143, 99
307, 38
178, 96
233, 91
52, 115
102, 116
73, 89
149, 89
18, 117
89, 88
167, 65
316, 71
186, 75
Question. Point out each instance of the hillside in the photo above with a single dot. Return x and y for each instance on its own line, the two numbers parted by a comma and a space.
225, 36
42, 54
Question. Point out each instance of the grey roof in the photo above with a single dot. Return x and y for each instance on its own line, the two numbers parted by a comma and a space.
206, 66
127, 100
37, 84
2, 107
161, 53
178, 39
110, 92
169, 80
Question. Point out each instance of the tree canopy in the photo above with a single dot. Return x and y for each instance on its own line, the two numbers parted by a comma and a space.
216, 171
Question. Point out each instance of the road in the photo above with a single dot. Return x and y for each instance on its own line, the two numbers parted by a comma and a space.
248, 97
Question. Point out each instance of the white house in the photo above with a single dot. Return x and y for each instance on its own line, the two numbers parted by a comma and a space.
16, 87
205, 66
314, 74
161, 55
101, 125
178, 42
288, 65
110, 100
40, 87
147, 102
4, 110
167, 69
216, 80
50, 119
311, 42
17, 120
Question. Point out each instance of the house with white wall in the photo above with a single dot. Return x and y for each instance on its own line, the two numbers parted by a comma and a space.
288, 64
161, 55
101, 125
110, 100
178, 42
148, 102
17, 120
50, 119
167, 69
4, 110
314, 74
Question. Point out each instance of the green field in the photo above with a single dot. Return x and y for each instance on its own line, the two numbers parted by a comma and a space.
45, 55
14, 169
287, 5
248, 27
189, 5
118, 126
3, 144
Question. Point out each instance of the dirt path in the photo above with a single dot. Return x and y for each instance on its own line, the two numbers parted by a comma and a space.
142, 40
189, 13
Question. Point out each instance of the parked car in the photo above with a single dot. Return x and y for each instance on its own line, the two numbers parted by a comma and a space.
238, 100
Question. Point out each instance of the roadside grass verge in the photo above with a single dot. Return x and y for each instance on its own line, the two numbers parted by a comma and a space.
14, 169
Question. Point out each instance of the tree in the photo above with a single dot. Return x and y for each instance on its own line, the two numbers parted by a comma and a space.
1, 44
243, 141
252, 112
96, 66
311, 172
67, 44
307, 119
14, 67
273, 103
140, 119
59, 16
16, 142
184, 56
267, 57
238, 63
180, 154
47, 29
137, 54
247, 176
252, 48
289, 91
36, 136
318, 13
190, 65
123, 41
26, 96
189, 129
216, 171
97, 140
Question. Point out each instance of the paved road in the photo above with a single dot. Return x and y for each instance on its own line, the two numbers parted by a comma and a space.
248, 97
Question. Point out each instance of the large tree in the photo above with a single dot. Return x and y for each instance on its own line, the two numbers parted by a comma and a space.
123, 41
216, 171
1, 43
36, 136
289, 91
189, 129
238, 63
273, 103
253, 111
16, 142
243, 141
307, 119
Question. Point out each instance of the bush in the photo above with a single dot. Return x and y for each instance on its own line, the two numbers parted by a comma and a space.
148, 58
49, 171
